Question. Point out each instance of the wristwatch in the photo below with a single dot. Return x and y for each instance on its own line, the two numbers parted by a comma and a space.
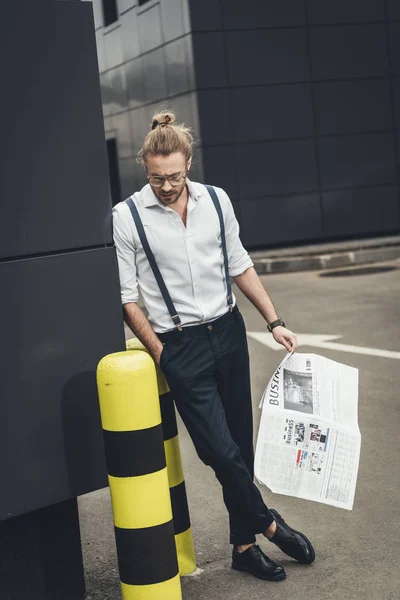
275, 324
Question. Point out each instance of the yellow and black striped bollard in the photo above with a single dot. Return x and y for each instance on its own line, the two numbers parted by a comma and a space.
138, 477
180, 510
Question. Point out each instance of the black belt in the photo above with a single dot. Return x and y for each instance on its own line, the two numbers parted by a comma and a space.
203, 328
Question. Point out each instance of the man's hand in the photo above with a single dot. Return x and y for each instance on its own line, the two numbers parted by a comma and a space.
139, 324
284, 336
157, 355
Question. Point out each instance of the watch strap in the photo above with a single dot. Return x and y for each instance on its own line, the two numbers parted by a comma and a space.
276, 323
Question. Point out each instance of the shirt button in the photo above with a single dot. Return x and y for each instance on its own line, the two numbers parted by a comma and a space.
209, 327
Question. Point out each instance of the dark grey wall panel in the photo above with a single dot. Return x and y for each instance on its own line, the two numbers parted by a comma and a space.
261, 52
42, 556
196, 170
256, 14
398, 146
358, 160
209, 60
353, 106
61, 315
394, 9
272, 112
345, 11
361, 211
276, 168
348, 51
127, 171
53, 174
205, 15
395, 47
396, 91
219, 168
266, 56
216, 124
271, 220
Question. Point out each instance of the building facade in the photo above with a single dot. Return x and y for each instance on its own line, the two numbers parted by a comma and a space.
295, 105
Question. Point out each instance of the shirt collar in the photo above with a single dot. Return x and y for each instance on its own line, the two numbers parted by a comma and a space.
150, 199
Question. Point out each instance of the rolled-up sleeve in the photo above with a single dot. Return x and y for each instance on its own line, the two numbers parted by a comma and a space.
126, 255
238, 258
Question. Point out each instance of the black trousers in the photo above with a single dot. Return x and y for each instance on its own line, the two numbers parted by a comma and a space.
208, 372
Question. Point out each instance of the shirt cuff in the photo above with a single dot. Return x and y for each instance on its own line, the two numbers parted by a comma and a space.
126, 299
241, 267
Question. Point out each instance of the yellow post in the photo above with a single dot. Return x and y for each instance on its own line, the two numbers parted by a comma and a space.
182, 527
138, 477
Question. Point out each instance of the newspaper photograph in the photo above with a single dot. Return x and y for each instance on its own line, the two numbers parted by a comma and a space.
309, 441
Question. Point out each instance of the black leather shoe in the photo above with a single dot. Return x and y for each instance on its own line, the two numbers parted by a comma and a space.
254, 561
292, 542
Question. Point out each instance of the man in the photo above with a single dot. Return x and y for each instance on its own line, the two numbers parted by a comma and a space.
178, 241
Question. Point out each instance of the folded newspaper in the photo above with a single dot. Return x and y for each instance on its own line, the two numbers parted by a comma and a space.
309, 442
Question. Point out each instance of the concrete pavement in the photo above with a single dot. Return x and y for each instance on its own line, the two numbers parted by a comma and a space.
358, 551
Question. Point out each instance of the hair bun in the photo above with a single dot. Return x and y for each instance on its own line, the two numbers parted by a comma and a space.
166, 137
162, 119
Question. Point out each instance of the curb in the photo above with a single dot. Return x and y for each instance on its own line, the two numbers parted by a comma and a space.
320, 262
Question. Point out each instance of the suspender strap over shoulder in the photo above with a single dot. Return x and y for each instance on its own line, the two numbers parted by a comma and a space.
218, 208
152, 261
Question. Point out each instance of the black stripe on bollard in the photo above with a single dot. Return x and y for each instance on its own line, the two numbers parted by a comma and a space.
180, 510
133, 453
146, 555
168, 417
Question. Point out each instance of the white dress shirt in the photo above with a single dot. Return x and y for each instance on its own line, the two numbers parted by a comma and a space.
190, 258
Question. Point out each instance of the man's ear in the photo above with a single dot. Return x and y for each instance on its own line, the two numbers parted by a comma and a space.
189, 164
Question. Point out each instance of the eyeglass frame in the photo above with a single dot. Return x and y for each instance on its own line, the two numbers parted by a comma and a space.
164, 179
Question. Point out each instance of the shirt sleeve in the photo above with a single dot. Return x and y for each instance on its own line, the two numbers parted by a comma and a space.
238, 258
126, 256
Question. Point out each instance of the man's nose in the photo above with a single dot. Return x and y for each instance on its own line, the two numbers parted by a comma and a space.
166, 186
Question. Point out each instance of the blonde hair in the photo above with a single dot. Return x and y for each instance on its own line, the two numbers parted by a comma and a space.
166, 137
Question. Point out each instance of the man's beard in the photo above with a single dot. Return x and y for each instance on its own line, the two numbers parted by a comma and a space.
172, 196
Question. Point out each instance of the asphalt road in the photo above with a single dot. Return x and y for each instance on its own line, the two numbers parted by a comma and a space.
357, 551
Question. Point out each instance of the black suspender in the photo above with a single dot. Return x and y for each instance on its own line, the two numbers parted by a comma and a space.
217, 205
153, 264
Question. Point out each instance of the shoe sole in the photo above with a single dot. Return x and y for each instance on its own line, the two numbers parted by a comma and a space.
278, 577
304, 562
